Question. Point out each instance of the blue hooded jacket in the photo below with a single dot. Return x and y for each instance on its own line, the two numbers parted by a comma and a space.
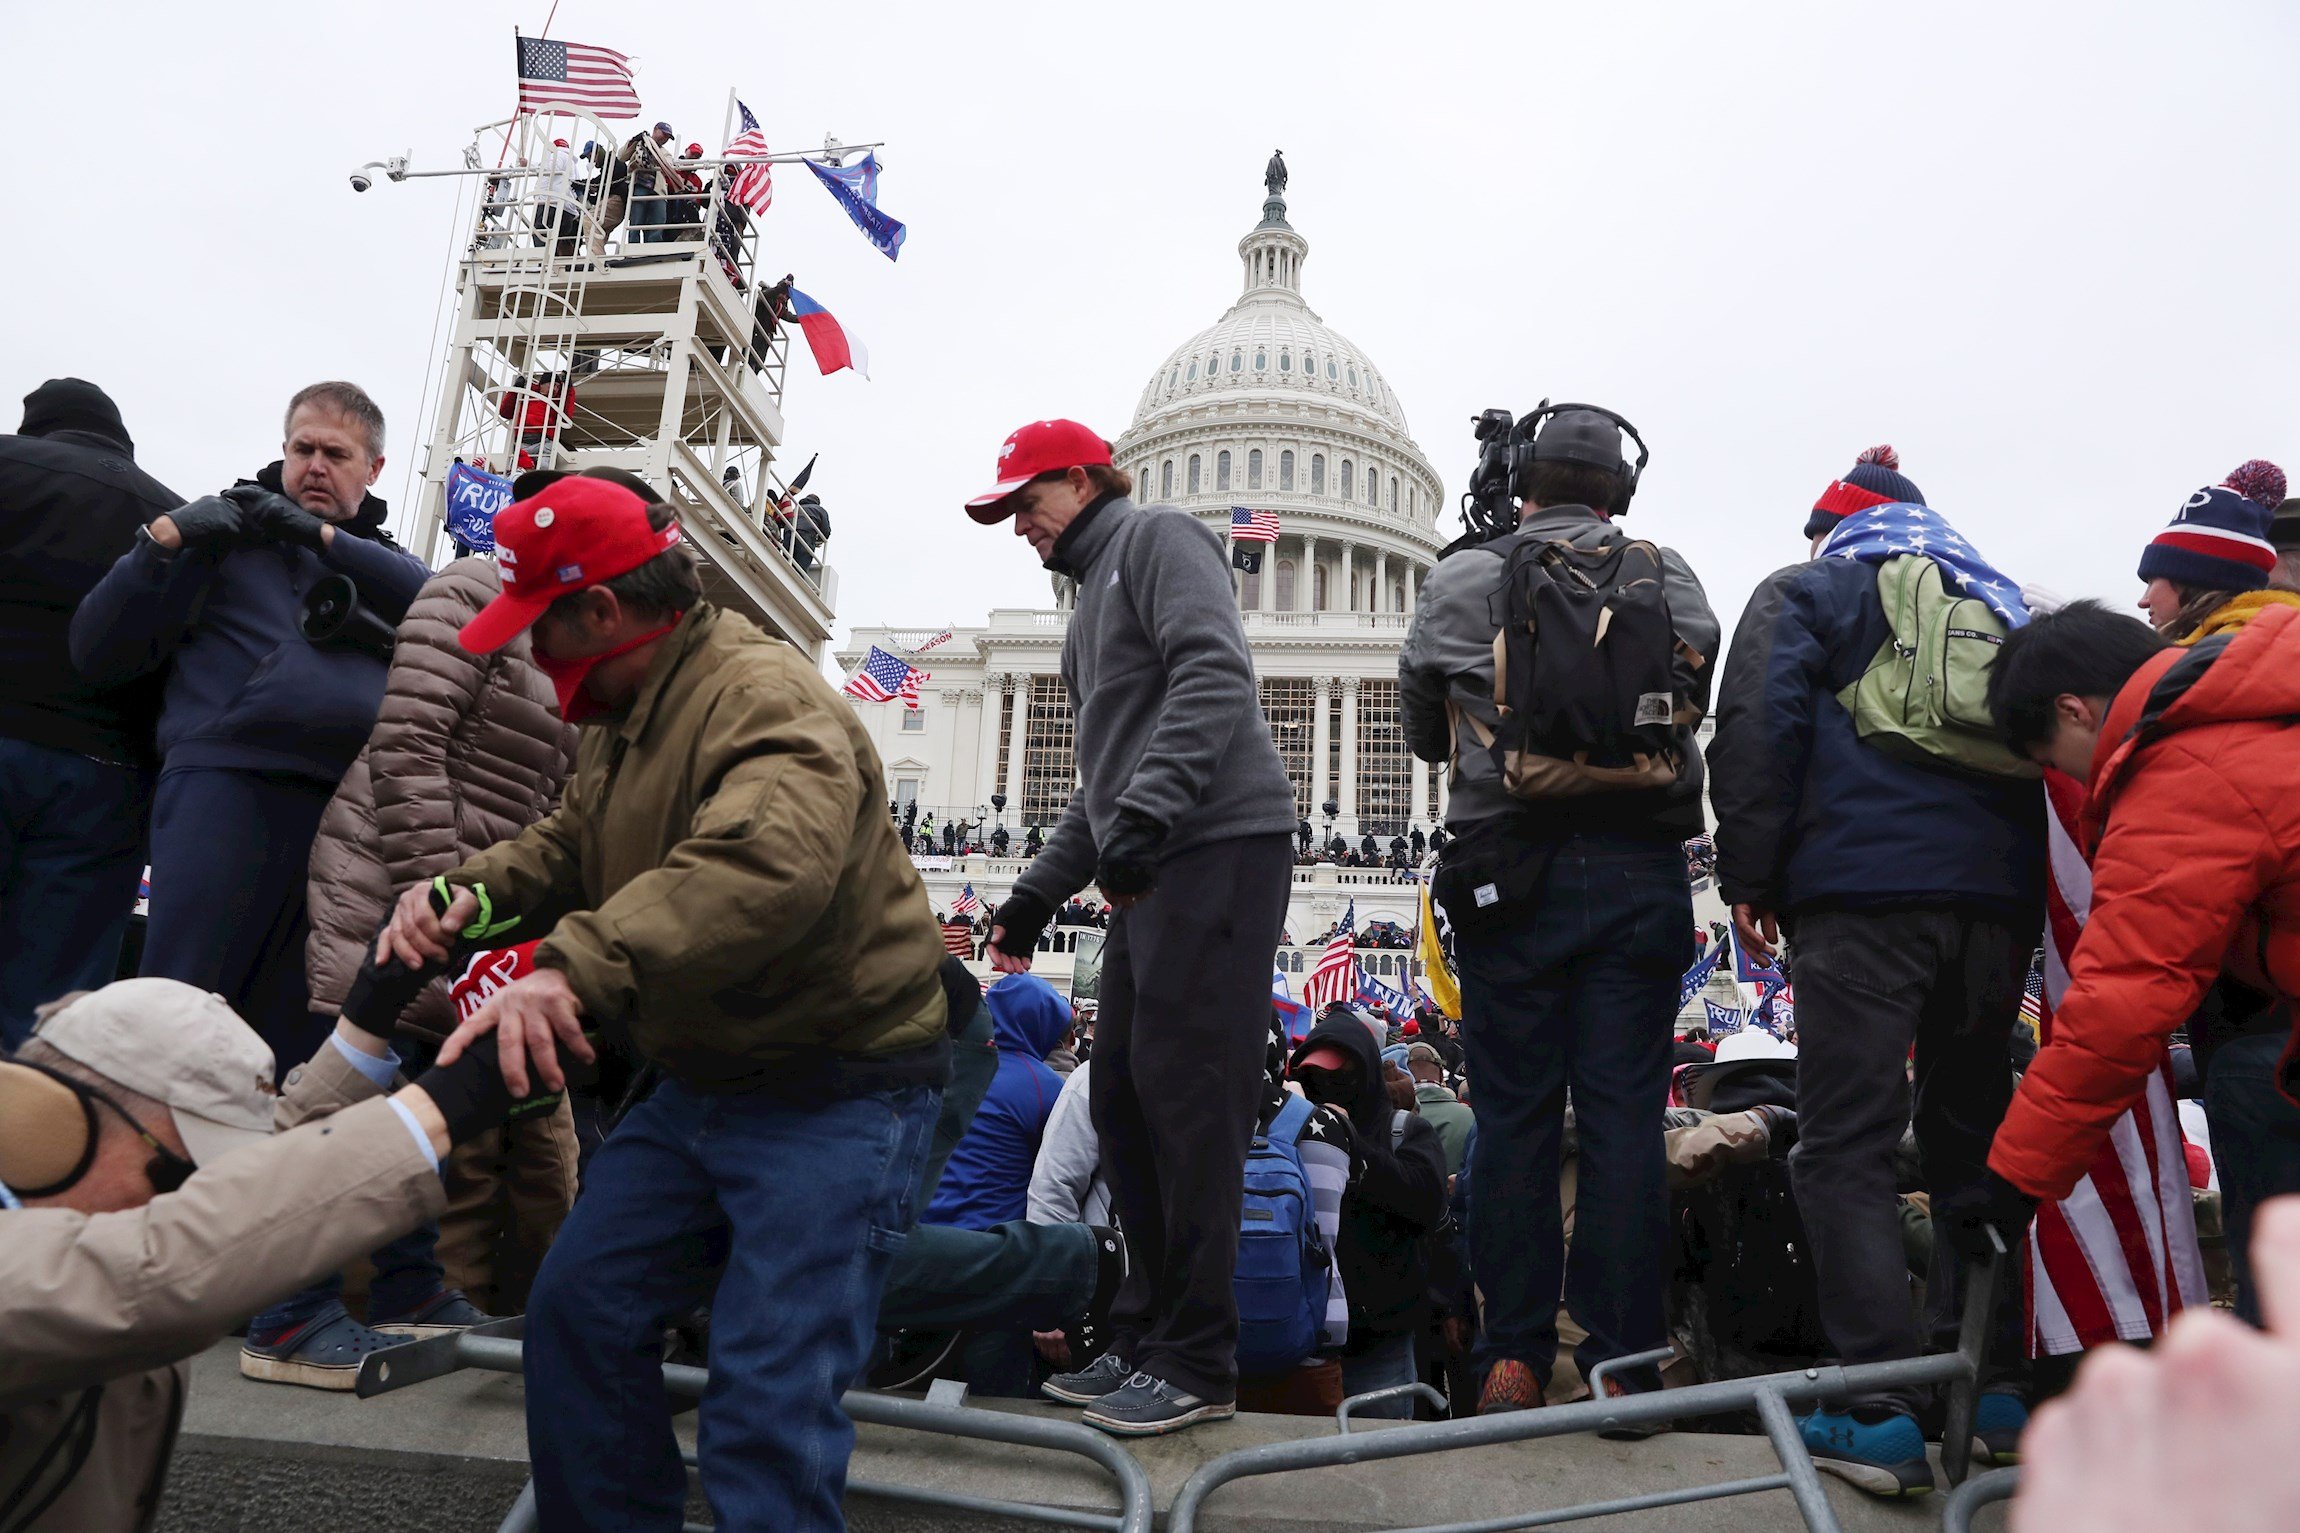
987, 1181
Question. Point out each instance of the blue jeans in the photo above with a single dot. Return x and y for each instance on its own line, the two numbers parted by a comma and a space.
790, 1214
71, 847
648, 215
2255, 1145
1573, 987
1382, 1366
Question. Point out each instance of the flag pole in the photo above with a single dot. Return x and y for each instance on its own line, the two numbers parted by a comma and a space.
727, 123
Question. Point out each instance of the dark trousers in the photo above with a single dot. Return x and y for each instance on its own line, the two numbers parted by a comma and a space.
1574, 992
1177, 1082
1869, 987
71, 845
2255, 1145
231, 852
784, 1216
1012, 1277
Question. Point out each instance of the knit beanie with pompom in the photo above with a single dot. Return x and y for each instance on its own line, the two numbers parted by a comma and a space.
1875, 480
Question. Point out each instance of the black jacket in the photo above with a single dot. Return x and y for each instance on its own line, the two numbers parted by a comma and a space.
71, 499
1396, 1199
1809, 817
245, 688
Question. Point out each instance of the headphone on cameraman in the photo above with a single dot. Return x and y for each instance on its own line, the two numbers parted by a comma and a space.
1524, 452
50, 1132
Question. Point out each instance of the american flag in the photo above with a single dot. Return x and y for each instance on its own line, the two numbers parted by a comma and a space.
967, 903
1336, 976
958, 939
577, 74
883, 678
2032, 999
754, 188
1253, 526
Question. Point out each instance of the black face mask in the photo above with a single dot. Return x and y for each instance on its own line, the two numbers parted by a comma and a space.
166, 1169
1328, 1087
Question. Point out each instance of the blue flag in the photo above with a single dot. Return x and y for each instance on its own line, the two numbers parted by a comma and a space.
1698, 975
1723, 1019
1879, 533
473, 498
856, 188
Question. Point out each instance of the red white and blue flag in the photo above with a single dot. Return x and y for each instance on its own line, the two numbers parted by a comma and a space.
576, 74
834, 345
883, 678
1253, 526
754, 187
968, 902
1335, 978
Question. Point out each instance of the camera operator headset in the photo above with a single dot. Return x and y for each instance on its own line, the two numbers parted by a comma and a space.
1507, 452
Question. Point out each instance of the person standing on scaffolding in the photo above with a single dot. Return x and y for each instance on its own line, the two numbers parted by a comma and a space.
643, 157
733, 902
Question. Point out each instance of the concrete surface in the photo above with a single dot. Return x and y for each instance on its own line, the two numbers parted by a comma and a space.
449, 1457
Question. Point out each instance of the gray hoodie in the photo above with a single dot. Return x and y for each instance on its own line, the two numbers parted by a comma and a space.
1449, 655
1170, 722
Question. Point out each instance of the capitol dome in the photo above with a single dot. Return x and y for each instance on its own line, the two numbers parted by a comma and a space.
1271, 409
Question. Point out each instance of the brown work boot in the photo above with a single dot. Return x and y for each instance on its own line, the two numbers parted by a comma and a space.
1509, 1386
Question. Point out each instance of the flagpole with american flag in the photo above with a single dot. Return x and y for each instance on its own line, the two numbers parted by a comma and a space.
1335, 977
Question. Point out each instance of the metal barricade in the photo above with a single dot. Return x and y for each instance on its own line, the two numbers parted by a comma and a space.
496, 1348
1965, 1502
1769, 1395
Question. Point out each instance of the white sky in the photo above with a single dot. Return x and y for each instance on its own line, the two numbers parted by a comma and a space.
2046, 250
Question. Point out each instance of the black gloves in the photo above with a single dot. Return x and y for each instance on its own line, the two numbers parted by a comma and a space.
471, 1096
1965, 1217
1129, 864
273, 518
211, 522
1023, 916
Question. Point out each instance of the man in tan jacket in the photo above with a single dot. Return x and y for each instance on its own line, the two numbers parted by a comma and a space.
730, 898
146, 1206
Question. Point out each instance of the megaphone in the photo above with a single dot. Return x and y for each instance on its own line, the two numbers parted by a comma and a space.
334, 615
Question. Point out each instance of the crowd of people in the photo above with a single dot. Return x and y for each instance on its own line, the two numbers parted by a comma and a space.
551, 941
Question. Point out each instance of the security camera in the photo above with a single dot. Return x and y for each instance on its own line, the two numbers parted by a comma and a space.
360, 182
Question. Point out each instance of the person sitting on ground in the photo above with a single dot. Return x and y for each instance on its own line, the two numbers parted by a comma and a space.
1396, 1200
147, 1207
2209, 571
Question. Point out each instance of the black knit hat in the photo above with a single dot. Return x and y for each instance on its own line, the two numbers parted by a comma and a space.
73, 404
1875, 480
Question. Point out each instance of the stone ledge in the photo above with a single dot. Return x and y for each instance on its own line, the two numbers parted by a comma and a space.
450, 1456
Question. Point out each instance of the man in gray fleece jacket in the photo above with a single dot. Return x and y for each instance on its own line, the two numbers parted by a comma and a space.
1185, 819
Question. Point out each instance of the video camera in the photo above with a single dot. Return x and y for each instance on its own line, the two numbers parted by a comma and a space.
1505, 458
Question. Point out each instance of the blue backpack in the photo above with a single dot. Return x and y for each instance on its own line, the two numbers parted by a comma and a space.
1284, 1269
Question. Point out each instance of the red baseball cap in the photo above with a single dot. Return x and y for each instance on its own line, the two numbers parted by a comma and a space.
1038, 448
567, 536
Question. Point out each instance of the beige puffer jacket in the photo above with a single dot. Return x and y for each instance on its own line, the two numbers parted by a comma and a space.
468, 751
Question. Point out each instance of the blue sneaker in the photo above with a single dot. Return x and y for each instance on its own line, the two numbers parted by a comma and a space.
1999, 1419
1880, 1450
322, 1353
445, 1311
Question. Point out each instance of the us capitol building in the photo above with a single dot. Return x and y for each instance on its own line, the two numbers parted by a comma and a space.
1270, 409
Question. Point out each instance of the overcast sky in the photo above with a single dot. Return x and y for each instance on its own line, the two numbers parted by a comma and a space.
2048, 251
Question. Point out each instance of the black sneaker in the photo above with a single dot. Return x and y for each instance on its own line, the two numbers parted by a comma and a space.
910, 1358
1090, 1383
1150, 1407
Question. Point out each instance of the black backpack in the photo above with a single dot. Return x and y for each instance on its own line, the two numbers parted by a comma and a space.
1582, 672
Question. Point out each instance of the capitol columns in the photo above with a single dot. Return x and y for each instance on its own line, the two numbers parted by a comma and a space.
1413, 585
1349, 601
1321, 744
1381, 579
1420, 794
1349, 793
985, 742
1016, 736
1306, 588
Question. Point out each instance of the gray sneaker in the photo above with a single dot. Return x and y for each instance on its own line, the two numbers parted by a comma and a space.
1148, 1407
1090, 1383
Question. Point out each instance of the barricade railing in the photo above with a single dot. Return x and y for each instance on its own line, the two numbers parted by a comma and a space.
497, 1348
1769, 1395
1965, 1502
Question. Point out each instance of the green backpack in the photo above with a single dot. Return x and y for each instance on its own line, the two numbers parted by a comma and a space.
1924, 698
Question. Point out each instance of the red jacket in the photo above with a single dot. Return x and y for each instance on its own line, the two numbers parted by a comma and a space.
2194, 815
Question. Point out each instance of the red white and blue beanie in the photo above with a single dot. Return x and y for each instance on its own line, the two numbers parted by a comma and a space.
1875, 480
2219, 541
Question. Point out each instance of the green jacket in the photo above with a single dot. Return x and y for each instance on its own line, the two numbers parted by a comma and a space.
727, 884
1450, 1116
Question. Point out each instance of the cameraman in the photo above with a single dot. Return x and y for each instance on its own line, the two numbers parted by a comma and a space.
258, 723
1571, 921
146, 1206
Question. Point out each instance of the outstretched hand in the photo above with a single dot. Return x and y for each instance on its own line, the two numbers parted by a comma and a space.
531, 1018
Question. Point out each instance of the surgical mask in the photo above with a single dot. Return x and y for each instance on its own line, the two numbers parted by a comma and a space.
568, 676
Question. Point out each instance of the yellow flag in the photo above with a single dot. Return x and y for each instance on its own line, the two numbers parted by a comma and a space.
1442, 987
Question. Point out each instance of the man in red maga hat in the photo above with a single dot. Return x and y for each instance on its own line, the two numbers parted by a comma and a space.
732, 902
1186, 821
